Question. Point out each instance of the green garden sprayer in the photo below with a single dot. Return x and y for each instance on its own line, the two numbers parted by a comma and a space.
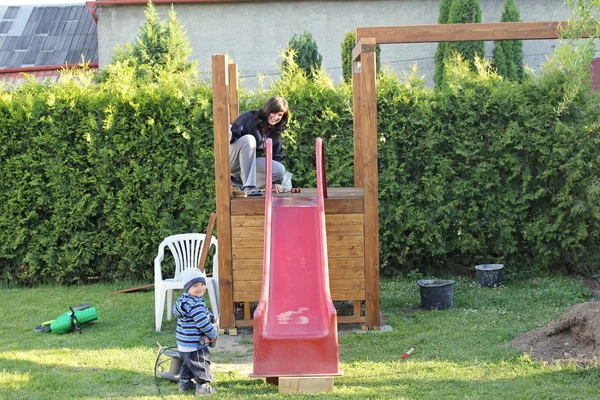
70, 320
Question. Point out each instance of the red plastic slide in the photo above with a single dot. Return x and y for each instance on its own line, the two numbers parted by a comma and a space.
295, 322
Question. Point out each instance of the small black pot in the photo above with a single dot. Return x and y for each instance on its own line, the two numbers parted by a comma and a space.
436, 294
490, 275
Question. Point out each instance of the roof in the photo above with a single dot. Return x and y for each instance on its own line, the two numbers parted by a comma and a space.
39, 38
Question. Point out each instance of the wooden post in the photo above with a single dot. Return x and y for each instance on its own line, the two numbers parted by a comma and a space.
234, 93
368, 124
356, 122
223, 187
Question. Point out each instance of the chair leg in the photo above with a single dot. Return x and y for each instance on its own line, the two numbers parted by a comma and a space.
159, 305
169, 304
214, 302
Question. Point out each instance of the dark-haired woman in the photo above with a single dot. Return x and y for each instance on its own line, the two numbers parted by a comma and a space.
248, 134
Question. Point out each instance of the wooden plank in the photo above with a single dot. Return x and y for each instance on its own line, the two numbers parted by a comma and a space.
207, 239
357, 121
345, 241
248, 231
332, 241
240, 297
348, 252
337, 294
247, 275
350, 320
253, 206
347, 284
257, 252
350, 230
245, 243
487, 31
133, 289
254, 232
234, 94
253, 263
330, 219
246, 310
289, 385
357, 311
337, 274
246, 253
368, 111
248, 286
344, 219
353, 263
247, 221
222, 188
343, 275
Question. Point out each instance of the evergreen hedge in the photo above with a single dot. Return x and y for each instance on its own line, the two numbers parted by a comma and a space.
94, 176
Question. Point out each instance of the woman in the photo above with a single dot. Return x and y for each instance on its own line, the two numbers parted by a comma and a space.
248, 134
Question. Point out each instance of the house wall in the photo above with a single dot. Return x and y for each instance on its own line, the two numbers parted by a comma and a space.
255, 33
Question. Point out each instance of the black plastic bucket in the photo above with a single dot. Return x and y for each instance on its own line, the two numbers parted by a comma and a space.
436, 294
490, 275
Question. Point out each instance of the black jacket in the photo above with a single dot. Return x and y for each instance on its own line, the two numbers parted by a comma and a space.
250, 123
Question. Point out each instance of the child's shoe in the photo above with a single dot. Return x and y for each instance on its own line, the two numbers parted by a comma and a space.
205, 389
186, 385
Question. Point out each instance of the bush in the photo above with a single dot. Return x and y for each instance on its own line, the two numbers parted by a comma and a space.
483, 170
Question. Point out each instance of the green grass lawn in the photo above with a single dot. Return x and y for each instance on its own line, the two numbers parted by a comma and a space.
458, 355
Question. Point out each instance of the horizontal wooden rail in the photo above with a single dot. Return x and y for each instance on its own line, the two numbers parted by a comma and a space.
462, 32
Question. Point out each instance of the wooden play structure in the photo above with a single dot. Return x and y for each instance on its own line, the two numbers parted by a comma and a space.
351, 219
351, 213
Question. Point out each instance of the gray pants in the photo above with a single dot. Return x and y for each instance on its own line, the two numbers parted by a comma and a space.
244, 163
196, 365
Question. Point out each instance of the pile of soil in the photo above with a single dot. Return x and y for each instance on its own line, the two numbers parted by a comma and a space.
575, 336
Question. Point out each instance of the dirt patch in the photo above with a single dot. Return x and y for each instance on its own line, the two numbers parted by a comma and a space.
575, 336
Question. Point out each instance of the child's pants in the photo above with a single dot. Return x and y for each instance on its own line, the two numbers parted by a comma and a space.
196, 365
251, 170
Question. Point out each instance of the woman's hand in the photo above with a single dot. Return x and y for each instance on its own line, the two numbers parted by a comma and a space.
277, 188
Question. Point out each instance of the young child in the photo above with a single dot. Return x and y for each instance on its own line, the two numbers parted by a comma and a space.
195, 330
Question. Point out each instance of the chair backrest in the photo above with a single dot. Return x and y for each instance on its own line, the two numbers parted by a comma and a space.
186, 249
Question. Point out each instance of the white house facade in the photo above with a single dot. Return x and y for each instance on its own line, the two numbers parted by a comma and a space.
254, 33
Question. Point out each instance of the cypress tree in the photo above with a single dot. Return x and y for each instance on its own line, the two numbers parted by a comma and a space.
508, 54
160, 47
347, 47
305, 53
438, 76
462, 12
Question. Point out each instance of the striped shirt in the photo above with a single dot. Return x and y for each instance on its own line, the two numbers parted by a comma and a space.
194, 322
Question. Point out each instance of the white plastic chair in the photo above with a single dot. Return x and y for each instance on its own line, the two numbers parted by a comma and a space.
186, 250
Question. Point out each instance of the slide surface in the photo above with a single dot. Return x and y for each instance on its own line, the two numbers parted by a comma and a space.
295, 322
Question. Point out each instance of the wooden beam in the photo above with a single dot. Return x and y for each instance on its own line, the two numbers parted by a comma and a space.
234, 93
306, 384
358, 175
363, 45
223, 188
206, 243
368, 124
461, 32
